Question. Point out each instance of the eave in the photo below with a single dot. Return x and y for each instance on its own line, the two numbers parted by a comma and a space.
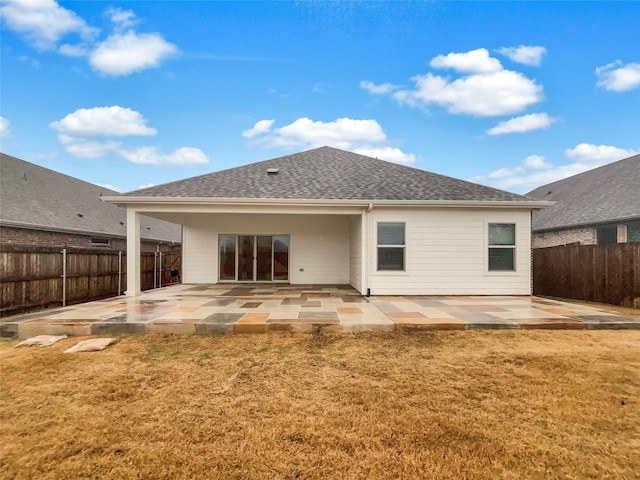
123, 200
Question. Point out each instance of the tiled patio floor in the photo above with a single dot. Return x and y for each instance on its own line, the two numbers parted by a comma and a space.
208, 309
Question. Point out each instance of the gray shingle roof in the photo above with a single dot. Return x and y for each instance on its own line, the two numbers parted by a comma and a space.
36, 197
601, 195
328, 173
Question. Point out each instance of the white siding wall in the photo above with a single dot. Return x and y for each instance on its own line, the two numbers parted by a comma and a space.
319, 244
446, 253
355, 259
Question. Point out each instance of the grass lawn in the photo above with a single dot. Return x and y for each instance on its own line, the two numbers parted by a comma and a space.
465, 404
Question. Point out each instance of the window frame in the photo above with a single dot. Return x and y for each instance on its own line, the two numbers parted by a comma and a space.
513, 247
100, 241
402, 247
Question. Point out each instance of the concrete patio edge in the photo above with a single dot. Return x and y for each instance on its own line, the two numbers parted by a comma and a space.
234, 309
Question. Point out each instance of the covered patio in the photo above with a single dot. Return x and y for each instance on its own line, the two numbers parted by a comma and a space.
261, 308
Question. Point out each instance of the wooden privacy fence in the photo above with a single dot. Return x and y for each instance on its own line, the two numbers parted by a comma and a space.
39, 277
596, 273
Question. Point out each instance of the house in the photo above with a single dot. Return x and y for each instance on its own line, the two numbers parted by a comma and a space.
46, 208
328, 216
595, 207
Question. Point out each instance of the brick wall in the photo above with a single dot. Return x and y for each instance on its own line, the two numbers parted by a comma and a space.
27, 236
582, 236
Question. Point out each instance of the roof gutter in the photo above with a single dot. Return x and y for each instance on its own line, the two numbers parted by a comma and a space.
124, 200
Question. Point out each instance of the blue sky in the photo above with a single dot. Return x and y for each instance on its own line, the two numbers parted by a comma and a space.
131, 94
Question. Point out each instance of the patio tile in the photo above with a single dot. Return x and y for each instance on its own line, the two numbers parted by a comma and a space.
9, 331
386, 307
178, 328
293, 301
526, 313
117, 328
254, 318
551, 323
612, 322
311, 305
220, 302
250, 327
222, 318
130, 318
354, 299
349, 310
26, 330
318, 315
429, 303
304, 321
484, 320
251, 305
400, 315
560, 311
482, 308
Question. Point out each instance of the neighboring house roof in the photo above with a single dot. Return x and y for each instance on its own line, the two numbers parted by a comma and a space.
327, 173
606, 194
36, 197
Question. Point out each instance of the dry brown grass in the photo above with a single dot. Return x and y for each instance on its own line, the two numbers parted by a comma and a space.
494, 404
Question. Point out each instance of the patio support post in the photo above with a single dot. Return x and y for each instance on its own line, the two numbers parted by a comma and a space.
133, 253
364, 242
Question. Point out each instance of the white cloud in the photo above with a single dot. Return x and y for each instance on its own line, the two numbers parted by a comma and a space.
121, 18
361, 136
4, 127
263, 126
79, 50
43, 22
474, 61
485, 89
535, 171
588, 153
390, 154
85, 148
526, 55
341, 133
378, 89
536, 162
126, 53
484, 95
618, 77
78, 132
185, 156
104, 121
110, 187
525, 123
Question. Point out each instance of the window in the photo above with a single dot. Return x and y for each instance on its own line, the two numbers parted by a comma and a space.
633, 232
502, 247
391, 246
607, 234
99, 241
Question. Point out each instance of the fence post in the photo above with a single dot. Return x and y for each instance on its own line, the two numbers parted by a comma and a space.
155, 268
160, 272
64, 277
119, 272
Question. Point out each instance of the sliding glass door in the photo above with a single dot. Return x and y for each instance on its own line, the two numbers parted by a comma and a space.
254, 258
